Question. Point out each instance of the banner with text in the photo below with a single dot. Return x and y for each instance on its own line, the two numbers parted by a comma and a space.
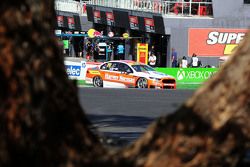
133, 22
189, 75
110, 19
214, 41
142, 53
77, 70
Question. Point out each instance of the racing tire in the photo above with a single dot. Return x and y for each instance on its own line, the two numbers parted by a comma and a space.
97, 81
142, 83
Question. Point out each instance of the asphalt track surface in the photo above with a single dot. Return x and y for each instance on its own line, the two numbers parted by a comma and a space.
120, 116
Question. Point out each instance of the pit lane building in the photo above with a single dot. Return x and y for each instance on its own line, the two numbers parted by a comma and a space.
208, 28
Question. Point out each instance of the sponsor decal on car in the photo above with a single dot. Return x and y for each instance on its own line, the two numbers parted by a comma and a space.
111, 77
119, 78
125, 79
94, 72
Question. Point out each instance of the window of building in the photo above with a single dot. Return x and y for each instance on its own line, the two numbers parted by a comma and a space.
247, 1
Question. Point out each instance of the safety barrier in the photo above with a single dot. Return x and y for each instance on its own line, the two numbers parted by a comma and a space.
185, 77
77, 69
189, 75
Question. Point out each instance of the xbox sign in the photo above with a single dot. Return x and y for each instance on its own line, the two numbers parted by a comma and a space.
194, 75
189, 75
180, 75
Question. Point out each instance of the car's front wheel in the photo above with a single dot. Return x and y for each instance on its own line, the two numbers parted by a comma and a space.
97, 81
142, 83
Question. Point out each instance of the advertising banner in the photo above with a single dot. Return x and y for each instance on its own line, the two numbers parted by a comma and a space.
77, 70
142, 53
59, 21
149, 25
110, 18
71, 23
189, 75
214, 41
133, 22
97, 16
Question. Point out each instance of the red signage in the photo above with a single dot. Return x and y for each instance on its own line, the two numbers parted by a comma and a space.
60, 21
149, 22
214, 41
149, 25
97, 16
71, 23
133, 20
60, 18
71, 20
110, 18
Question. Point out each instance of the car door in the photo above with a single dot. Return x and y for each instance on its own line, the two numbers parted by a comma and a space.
126, 75
110, 72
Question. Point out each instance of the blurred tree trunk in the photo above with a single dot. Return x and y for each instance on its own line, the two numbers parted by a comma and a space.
42, 123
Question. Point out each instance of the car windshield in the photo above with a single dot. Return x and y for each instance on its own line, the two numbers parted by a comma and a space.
142, 68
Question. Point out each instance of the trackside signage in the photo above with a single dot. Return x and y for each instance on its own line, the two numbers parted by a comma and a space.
189, 75
214, 41
73, 70
77, 70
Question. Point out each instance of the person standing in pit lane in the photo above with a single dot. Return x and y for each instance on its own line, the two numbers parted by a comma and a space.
194, 61
184, 62
152, 59
120, 51
174, 58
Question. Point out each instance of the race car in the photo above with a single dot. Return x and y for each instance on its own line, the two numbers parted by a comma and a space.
128, 74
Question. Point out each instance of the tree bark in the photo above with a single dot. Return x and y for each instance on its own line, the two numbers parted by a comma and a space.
42, 123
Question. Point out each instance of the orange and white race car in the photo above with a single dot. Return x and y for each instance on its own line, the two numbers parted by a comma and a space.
128, 74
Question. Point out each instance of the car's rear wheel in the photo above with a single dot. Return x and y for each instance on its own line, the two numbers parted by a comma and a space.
97, 81
142, 83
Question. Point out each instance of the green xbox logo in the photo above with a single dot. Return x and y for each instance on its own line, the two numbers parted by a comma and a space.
194, 75
181, 75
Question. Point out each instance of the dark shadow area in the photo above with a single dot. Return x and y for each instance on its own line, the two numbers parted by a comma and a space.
118, 130
120, 120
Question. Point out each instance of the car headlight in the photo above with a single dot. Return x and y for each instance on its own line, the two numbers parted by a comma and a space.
153, 78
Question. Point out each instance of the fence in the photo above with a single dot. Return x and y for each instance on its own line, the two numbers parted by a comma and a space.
71, 6
179, 8
192, 8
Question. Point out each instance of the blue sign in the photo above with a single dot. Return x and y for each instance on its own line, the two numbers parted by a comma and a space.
73, 70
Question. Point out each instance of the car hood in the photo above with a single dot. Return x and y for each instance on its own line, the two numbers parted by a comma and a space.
154, 74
